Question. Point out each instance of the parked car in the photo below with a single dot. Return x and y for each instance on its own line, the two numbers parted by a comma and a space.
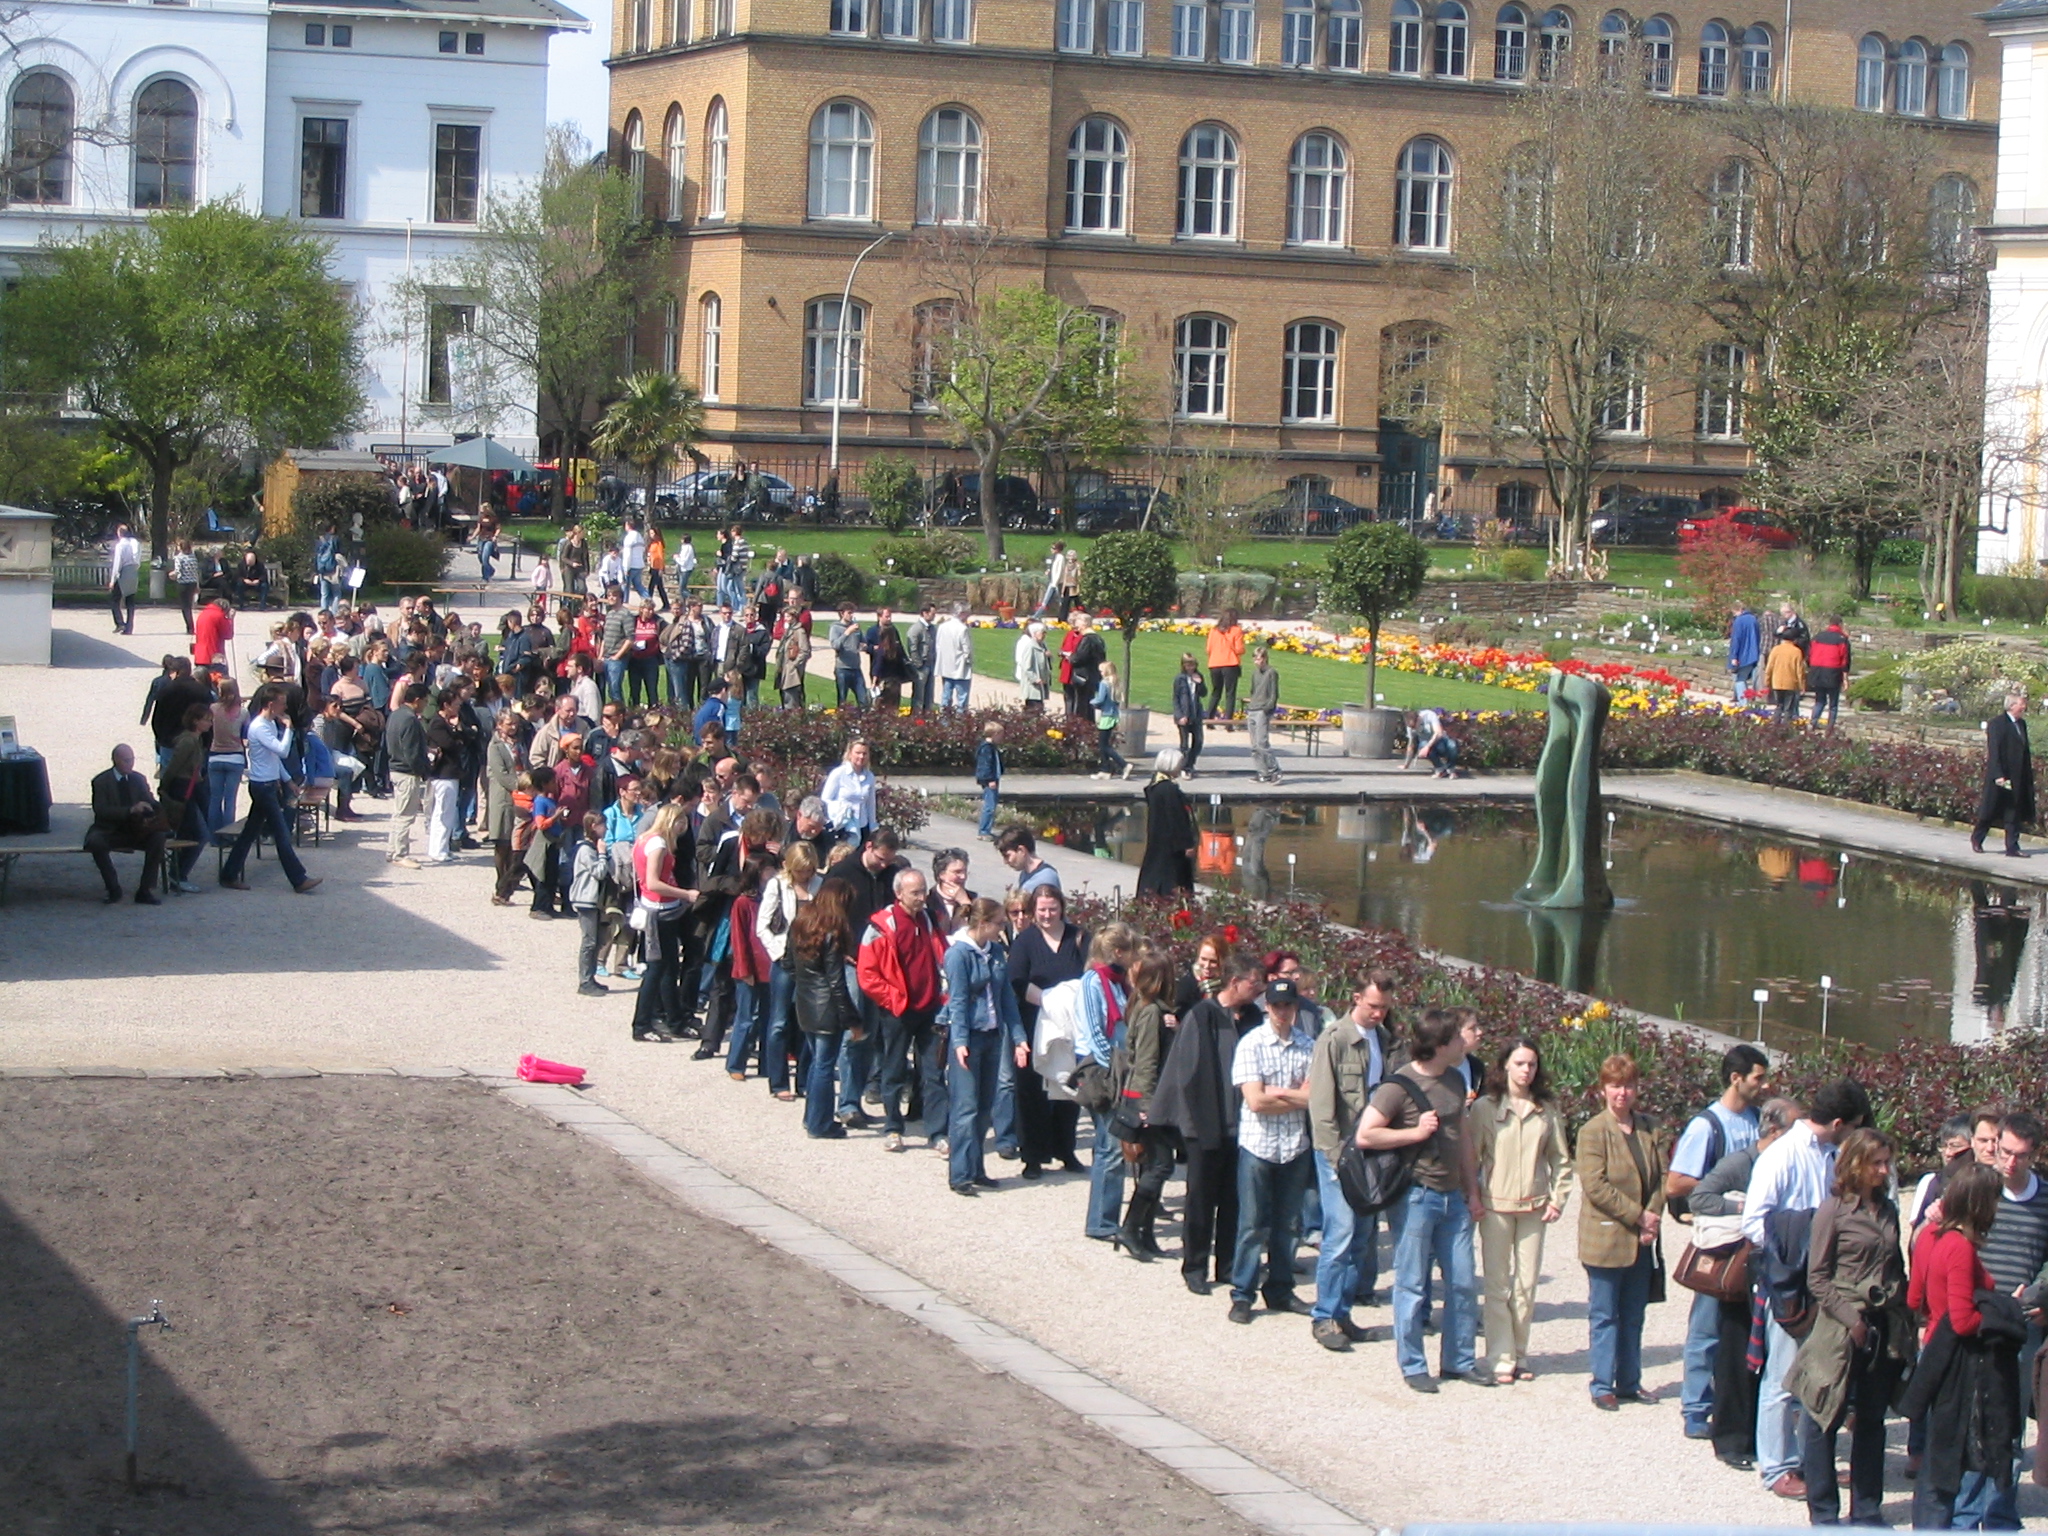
1751, 523
1112, 507
1644, 519
714, 493
1318, 514
957, 503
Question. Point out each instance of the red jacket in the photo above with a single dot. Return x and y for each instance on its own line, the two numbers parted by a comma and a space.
212, 628
899, 960
749, 956
1947, 1275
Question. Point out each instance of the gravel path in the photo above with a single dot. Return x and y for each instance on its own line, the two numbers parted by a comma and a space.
417, 968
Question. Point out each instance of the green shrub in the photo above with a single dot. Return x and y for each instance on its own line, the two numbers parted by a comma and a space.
937, 554
840, 581
898, 592
393, 553
340, 499
292, 551
1557, 650
1900, 552
2021, 598
1878, 690
1474, 632
895, 493
1519, 565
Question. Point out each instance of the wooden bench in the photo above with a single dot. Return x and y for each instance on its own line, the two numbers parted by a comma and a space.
13, 851
1311, 731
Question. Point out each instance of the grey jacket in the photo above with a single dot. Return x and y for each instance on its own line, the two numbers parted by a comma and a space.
1265, 689
1730, 1176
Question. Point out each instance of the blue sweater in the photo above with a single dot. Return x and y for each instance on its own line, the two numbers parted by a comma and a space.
974, 975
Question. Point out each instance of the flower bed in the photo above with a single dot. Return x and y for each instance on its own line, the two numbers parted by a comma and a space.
1915, 1085
1924, 780
900, 742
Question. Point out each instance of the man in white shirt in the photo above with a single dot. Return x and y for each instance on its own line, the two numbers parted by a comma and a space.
633, 555
685, 566
1794, 1173
270, 781
1270, 1070
954, 654
124, 571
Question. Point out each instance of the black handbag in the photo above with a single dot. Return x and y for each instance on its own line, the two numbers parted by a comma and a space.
1374, 1180
1093, 1088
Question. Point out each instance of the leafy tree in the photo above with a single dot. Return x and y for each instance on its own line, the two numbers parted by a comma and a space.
1585, 269
1723, 568
1217, 500
655, 418
1374, 569
203, 328
894, 489
41, 465
555, 277
1130, 576
340, 500
1090, 418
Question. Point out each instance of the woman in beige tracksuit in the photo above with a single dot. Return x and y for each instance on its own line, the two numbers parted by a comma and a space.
1525, 1175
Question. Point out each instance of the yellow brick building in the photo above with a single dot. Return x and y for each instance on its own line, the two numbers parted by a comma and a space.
1265, 193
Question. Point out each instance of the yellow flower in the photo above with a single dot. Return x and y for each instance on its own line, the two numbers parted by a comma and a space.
1056, 735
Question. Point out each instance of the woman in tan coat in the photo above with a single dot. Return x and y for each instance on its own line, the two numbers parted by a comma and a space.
1621, 1178
1785, 676
1525, 1177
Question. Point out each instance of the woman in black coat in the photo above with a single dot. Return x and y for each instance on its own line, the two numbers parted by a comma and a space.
1046, 951
1169, 865
820, 943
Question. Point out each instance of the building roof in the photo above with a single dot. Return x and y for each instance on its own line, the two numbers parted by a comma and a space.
2015, 10
331, 460
528, 13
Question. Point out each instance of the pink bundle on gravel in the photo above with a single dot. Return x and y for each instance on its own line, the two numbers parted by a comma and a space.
535, 1069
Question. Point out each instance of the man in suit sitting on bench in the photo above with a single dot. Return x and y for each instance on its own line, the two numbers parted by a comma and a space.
125, 816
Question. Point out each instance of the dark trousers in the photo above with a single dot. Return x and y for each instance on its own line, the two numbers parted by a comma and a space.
1045, 1126
1190, 742
589, 920
100, 843
187, 591
1787, 702
656, 1004
510, 866
267, 818
545, 888
2005, 813
123, 606
818, 1081
1735, 1384
1269, 1221
1108, 760
921, 691
682, 685
192, 828
1210, 1214
1223, 691
690, 978
913, 1051
719, 1005
643, 681
1868, 1395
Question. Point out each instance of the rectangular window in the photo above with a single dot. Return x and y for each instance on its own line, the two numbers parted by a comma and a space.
850, 17
447, 325
671, 336
1720, 394
1125, 20
323, 168
316, 35
450, 41
342, 37
1235, 34
1298, 37
952, 21
1077, 26
714, 346
472, 42
899, 19
1190, 31
458, 168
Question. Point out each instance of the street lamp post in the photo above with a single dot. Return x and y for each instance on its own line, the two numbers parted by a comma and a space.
839, 342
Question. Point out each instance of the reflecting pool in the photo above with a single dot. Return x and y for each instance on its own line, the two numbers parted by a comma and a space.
1705, 915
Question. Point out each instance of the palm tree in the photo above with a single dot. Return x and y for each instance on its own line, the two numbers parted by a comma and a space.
657, 416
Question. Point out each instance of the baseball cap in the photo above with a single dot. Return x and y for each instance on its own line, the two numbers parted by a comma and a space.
1282, 990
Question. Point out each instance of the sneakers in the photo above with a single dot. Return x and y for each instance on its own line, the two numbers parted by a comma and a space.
629, 973
187, 887
942, 1146
893, 1142
1330, 1333
601, 970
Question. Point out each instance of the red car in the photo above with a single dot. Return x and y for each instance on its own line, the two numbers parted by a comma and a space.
1752, 523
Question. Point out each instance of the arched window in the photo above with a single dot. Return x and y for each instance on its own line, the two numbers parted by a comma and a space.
1656, 44
949, 168
1525, 204
1201, 366
1724, 369
1452, 41
711, 350
166, 145
1871, 54
40, 120
1098, 157
675, 162
1511, 44
952, 21
1733, 213
1315, 191
1553, 42
1909, 79
1714, 59
832, 357
1755, 62
1208, 184
1615, 30
1951, 223
1404, 39
1346, 35
1952, 83
634, 147
1308, 380
717, 148
1624, 393
842, 162
1298, 34
1422, 199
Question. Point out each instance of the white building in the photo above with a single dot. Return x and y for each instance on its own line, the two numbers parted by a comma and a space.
380, 124
2015, 515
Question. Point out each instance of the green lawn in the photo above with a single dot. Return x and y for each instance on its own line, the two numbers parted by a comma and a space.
1308, 681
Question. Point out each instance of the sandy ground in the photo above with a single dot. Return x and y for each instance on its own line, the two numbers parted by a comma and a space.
417, 968
410, 1306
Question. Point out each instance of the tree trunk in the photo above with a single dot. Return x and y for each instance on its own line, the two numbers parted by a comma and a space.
1123, 691
161, 470
991, 514
1372, 663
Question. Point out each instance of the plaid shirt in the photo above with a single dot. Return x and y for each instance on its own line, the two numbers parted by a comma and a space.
1262, 1057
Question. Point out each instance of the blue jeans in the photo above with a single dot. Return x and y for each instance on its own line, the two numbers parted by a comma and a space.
1982, 1505
266, 818
1743, 678
1777, 1411
223, 778
746, 1026
1006, 1127
849, 683
1702, 1338
1347, 1237
1616, 1298
636, 581
1268, 1218
1105, 1180
972, 1090
818, 1094
775, 1049
1435, 1228
615, 680
853, 1076
953, 693
682, 684
486, 558
330, 591
988, 810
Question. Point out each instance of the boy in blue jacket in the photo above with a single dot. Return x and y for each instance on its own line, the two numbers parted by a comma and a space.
988, 773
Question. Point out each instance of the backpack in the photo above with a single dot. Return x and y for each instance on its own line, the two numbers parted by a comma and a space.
1717, 1148
1374, 1180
